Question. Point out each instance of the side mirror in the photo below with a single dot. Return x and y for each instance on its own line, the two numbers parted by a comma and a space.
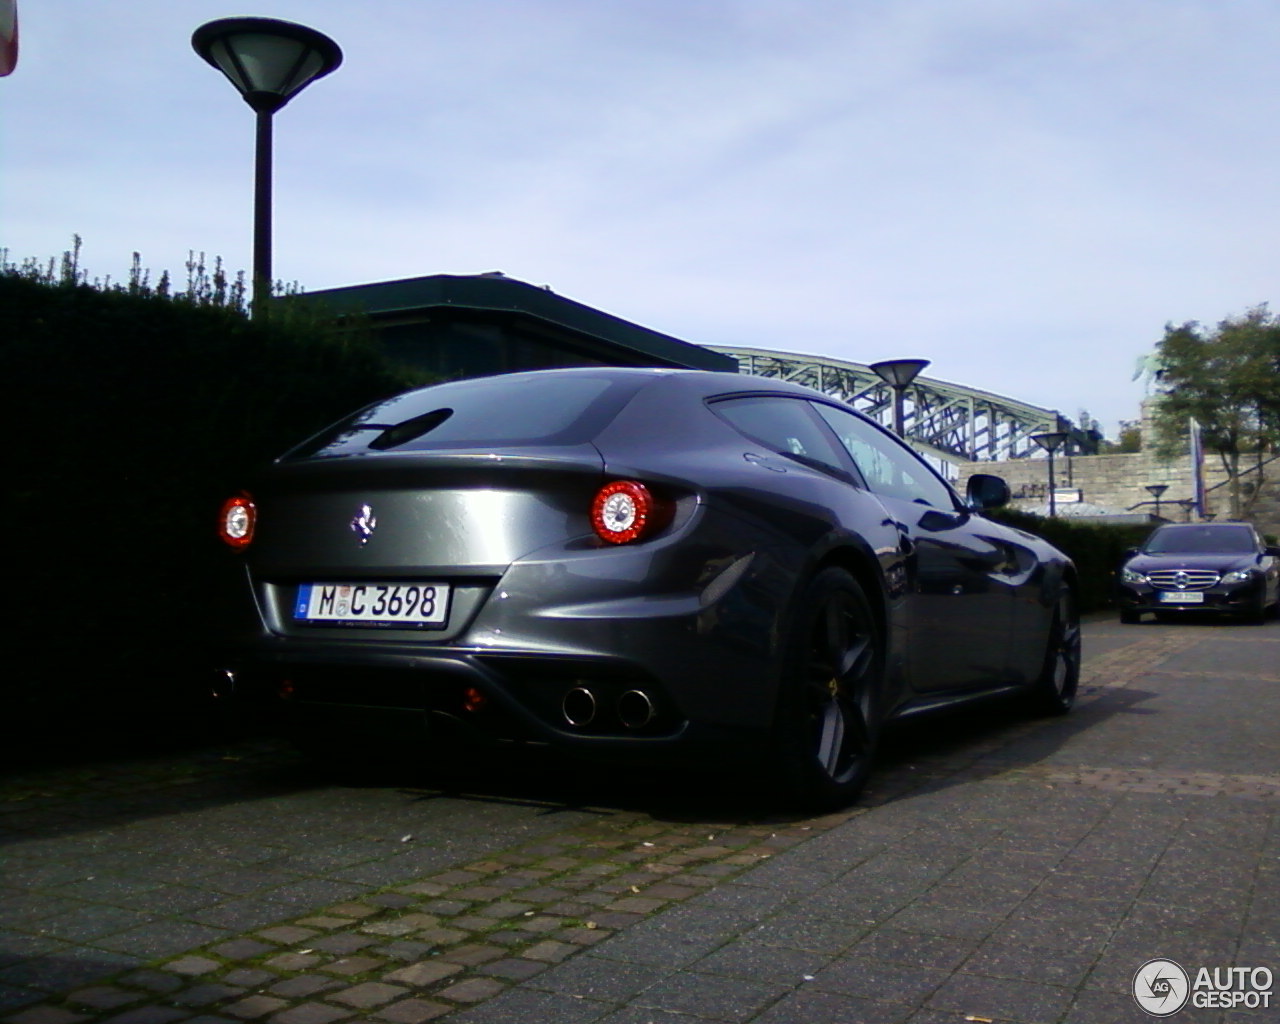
985, 491
1273, 551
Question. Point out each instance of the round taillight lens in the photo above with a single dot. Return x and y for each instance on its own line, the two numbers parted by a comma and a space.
622, 511
236, 521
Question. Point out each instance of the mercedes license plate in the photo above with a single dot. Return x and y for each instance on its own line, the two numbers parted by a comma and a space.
375, 604
1182, 597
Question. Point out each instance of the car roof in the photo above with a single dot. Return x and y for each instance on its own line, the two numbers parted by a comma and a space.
709, 382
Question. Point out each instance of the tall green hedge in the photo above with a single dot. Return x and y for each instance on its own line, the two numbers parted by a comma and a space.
131, 414
1096, 548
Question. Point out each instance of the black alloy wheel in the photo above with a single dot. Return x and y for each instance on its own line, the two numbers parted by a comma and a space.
828, 706
1055, 690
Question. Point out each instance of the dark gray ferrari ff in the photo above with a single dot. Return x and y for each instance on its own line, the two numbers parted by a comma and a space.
662, 565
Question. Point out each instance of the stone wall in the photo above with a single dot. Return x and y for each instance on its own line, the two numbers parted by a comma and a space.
1116, 482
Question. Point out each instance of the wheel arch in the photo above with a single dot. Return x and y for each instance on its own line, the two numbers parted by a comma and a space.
865, 571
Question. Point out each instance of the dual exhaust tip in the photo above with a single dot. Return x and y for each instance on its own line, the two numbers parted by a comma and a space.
634, 708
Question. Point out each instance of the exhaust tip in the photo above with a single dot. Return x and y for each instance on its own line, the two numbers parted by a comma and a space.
578, 706
635, 709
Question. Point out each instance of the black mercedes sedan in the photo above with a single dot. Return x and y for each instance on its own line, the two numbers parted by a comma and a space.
1182, 568
668, 566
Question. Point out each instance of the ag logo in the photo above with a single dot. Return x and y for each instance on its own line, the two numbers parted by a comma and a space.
1161, 987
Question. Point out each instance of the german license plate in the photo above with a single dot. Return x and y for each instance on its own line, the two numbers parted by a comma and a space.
377, 604
1182, 597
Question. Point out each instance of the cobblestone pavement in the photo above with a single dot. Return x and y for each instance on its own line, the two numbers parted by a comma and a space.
997, 869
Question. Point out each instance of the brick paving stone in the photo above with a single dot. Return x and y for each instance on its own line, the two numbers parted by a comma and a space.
160, 982
388, 929
504, 909
537, 925
248, 977
310, 1013
368, 995
584, 936
403, 950
392, 900
473, 990
342, 943
352, 909
636, 905
422, 975
323, 923
192, 965
286, 935
349, 966
102, 997
204, 995
418, 920
294, 961
474, 922
472, 954
446, 908
241, 949
549, 951
442, 936
412, 1011
513, 968
255, 1006
424, 888
303, 985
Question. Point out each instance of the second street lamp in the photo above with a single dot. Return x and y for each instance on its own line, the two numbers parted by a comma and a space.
1051, 442
269, 62
898, 374
1156, 490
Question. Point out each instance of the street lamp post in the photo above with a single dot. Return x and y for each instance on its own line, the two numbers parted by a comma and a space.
1156, 490
269, 62
898, 374
1051, 442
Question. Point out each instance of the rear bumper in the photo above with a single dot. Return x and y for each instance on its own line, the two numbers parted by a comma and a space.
595, 707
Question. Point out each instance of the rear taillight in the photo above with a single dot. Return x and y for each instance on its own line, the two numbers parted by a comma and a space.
236, 521
624, 511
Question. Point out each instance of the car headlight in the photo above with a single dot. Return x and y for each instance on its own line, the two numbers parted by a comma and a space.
1238, 576
1129, 576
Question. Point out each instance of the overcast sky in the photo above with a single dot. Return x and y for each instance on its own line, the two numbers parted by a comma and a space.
1022, 191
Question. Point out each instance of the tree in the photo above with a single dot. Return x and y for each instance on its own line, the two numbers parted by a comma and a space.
1228, 380
1128, 441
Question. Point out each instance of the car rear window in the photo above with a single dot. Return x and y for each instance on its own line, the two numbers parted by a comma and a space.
510, 410
1234, 540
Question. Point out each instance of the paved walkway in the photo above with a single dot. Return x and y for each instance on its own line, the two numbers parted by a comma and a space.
998, 869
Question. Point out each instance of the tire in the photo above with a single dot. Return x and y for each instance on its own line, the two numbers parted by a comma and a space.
1130, 618
1054, 692
827, 719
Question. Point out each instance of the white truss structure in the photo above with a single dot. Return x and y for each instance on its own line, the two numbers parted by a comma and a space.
951, 421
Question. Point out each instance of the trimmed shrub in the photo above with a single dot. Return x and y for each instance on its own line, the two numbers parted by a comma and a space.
132, 414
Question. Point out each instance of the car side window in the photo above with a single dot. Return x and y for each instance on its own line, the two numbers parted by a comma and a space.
786, 425
888, 467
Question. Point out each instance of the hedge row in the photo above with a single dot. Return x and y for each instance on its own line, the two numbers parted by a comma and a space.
131, 416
